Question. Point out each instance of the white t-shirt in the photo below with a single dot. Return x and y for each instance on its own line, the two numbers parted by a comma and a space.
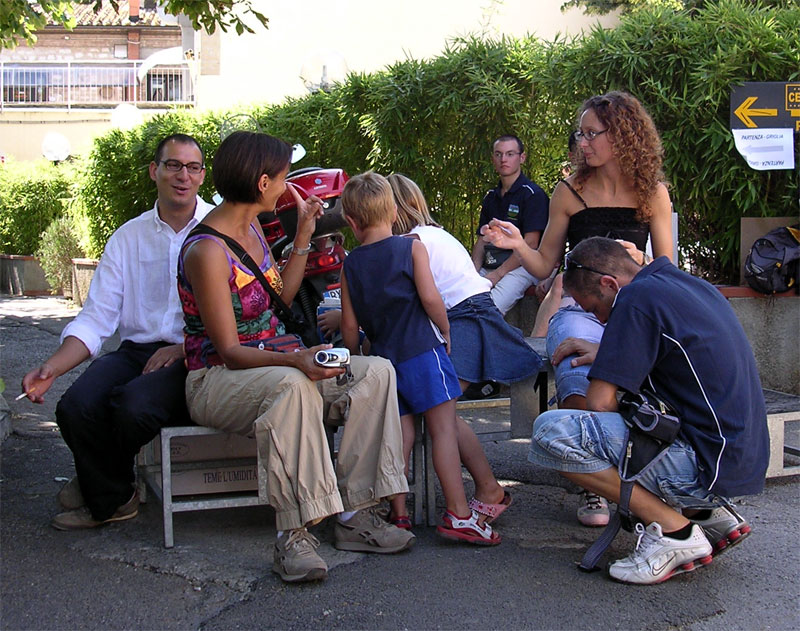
135, 287
452, 267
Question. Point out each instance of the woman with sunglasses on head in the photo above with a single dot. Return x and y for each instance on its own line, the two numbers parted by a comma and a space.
617, 191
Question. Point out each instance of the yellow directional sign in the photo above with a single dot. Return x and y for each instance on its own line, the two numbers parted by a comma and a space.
745, 111
768, 104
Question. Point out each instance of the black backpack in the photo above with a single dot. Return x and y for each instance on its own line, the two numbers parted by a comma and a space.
773, 265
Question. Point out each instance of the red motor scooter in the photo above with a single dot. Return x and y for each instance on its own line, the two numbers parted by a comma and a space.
325, 260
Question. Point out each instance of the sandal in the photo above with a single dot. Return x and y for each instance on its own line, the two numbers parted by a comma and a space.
403, 522
492, 511
467, 529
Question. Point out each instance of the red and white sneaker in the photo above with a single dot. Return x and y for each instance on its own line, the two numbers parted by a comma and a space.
724, 528
658, 557
467, 529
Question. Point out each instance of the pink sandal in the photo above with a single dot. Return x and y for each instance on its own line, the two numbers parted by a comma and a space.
492, 511
467, 529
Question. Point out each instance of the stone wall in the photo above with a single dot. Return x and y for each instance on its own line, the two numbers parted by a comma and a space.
97, 44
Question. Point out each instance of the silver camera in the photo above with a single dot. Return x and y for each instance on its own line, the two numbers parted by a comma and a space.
332, 358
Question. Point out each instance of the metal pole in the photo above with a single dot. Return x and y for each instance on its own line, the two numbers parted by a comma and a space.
69, 85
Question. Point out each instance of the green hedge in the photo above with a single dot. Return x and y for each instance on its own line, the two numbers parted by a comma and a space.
433, 120
32, 195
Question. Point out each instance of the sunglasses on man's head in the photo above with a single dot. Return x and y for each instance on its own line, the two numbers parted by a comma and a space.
571, 264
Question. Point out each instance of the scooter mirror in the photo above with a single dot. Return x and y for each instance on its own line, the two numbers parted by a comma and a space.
298, 152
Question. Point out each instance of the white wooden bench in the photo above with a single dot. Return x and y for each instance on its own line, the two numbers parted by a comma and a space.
226, 472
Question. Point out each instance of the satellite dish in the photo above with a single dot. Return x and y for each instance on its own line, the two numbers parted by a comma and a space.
55, 147
126, 116
167, 57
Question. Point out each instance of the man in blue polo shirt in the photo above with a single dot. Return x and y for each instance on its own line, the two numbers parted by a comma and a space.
523, 203
678, 336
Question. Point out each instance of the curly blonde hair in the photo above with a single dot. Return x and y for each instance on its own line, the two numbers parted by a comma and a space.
636, 145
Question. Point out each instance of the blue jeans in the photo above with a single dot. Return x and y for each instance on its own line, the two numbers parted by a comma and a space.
576, 441
572, 322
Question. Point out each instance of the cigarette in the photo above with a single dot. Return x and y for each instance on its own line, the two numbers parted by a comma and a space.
25, 394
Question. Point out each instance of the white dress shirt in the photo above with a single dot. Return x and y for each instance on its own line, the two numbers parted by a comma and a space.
134, 287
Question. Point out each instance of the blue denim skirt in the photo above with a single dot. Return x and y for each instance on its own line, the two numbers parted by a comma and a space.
484, 347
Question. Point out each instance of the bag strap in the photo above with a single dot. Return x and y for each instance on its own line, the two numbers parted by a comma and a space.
597, 549
248, 262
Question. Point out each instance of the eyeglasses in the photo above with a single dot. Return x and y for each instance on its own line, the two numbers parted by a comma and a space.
176, 165
569, 264
498, 155
589, 135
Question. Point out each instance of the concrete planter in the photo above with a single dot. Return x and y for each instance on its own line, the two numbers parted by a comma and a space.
82, 274
21, 275
771, 324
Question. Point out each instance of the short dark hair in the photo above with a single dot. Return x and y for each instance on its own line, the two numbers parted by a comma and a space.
505, 137
241, 160
572, 141
600, 256
184, 139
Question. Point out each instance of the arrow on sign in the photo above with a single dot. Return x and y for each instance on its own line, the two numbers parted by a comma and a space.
744, 112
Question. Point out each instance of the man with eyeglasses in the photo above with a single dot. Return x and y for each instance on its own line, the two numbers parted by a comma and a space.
124, 397
518, 200
675, 335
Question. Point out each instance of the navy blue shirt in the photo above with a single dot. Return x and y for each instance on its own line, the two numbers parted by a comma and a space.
678, 335
525, 205
380, 282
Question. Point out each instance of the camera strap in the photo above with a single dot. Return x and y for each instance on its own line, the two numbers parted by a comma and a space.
286, 312
651, 428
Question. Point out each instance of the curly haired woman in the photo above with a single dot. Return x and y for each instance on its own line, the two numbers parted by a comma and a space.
618, 191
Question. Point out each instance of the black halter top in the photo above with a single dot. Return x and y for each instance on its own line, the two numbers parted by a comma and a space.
614, 222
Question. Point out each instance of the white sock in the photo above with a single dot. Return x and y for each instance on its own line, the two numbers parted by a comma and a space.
346, 515
280, 533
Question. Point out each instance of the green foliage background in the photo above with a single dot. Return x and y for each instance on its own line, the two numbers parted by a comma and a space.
434, 120
31, 196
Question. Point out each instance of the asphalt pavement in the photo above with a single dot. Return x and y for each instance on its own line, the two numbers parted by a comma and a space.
218, 574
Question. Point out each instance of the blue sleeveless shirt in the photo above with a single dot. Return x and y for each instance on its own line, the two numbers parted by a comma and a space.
380, 281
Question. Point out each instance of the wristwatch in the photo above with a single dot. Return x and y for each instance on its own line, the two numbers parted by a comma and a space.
301, 251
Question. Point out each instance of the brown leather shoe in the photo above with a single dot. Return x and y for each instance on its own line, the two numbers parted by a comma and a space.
81, 518
70, 496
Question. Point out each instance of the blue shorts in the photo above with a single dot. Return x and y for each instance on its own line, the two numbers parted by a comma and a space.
425, 381
576, 441
572, 322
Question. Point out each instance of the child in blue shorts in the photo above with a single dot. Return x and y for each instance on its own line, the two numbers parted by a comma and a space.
388, 289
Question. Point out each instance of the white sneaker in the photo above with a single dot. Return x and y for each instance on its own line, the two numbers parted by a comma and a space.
657, 558
593, 510
724, 528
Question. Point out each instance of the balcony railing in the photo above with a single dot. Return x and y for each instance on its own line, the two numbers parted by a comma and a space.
99, 84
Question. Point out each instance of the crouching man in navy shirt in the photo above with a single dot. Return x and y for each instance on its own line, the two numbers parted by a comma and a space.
677, 335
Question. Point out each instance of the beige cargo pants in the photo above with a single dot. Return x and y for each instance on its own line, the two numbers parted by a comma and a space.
285, 411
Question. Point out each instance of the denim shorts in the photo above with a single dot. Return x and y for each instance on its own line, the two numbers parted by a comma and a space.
576, 441
572, 322
425, 381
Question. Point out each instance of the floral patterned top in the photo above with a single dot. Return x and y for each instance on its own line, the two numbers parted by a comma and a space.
255, 320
